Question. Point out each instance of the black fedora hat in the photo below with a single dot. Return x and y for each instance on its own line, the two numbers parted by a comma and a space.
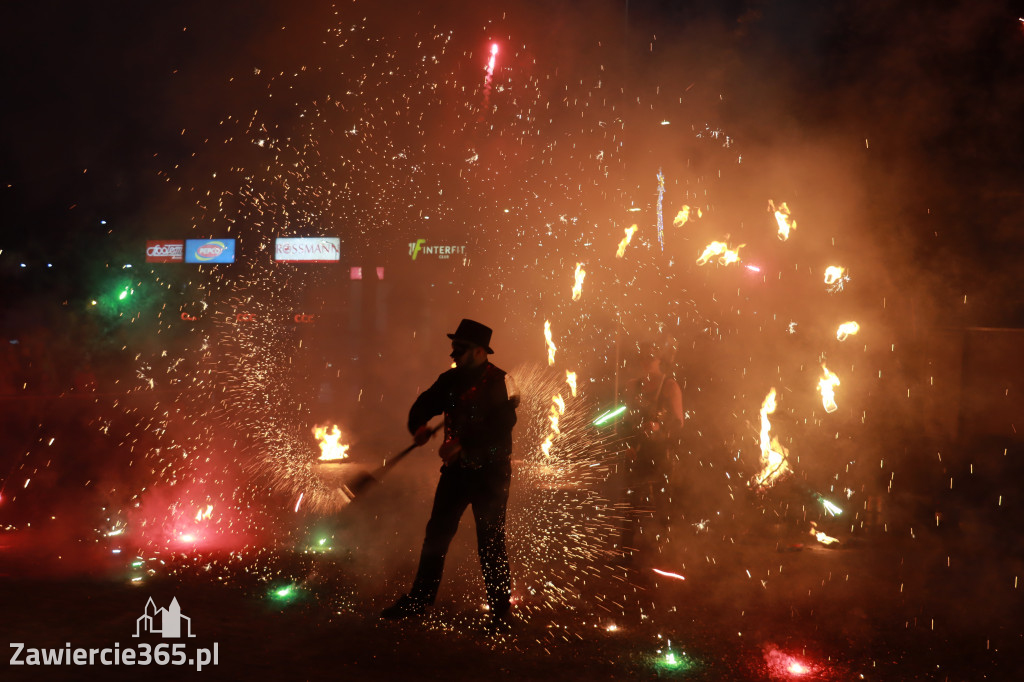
471, 331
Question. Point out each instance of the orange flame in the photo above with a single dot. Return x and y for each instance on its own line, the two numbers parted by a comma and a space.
826, 386
823, 538
625, 242
577, 289
784, 220
721, 249
773, 455
684, 216
330, 445
551, 344
557, 409
847, 329
833, 273
204, 513
570, 378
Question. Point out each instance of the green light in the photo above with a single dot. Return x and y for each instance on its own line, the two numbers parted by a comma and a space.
284, 592
124, 295
829, 507
608, 416
323, 541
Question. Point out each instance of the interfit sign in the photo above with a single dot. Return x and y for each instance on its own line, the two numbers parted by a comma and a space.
165, 251
209, 250
307, 249
421, 248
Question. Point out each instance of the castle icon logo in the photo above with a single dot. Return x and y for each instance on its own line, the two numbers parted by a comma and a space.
165, 622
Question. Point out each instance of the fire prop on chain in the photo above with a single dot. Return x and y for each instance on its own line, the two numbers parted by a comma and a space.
577, 289
684, 216
721, 249
783, 218
774, 461
826, 386
625, 242
847, 329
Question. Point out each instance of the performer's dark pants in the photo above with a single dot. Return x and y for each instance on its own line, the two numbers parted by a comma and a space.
486, 490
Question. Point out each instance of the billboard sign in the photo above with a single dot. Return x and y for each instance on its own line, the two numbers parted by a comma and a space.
209, 250
441, 252
307, 249
165, 251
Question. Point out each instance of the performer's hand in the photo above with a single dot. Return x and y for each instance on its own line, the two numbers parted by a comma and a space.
450, 450
422, 435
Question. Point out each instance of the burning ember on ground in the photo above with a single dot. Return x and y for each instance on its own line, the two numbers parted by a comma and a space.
331, 448
826, 386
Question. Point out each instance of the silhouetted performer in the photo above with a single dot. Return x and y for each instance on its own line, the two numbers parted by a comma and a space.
479, 403
655, 404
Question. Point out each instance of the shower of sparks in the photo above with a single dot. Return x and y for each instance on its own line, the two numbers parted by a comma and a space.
661, 220
847, 329
621, 251
577, 288
826, 386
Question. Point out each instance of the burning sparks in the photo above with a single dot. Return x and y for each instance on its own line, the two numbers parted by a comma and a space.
661, 197
668, 574
773, 456
577, 289
826, 386
625, 241
570, 378
721, 249
783, 218
204, 513
847, 329
330, 447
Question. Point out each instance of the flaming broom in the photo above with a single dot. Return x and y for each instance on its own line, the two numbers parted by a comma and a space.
348, 479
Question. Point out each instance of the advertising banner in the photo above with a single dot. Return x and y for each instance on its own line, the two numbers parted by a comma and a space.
209, 250
307, 249
165, 251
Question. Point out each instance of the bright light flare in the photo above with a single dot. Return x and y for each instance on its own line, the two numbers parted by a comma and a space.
331, 448
669, 574
204, 513
492, 60
847, 329
577, 289
630, 231
826, 386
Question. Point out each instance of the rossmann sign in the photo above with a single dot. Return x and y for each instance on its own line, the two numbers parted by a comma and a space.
307, 249
165, 251
209, 250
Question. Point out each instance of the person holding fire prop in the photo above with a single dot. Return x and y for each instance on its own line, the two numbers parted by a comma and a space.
479, 403
655, 415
